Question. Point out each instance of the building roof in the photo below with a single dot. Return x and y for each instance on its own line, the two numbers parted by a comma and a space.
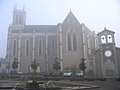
37, 29
85, 28
105, 30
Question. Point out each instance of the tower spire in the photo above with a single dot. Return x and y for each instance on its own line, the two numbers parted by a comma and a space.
104, 28
15, 6
70, 9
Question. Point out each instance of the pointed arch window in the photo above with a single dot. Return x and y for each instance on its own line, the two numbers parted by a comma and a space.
71, 41
53, 46
20, 19
74, 42
40, 47
27, 48
14, 47
17, 19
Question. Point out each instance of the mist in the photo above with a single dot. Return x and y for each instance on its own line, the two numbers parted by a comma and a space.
95, 14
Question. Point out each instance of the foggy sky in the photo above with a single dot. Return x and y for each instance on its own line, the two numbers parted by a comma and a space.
95, 14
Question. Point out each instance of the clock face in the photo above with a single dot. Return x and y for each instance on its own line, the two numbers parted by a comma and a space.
108, 53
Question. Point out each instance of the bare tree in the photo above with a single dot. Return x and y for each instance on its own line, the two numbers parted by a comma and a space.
82, 65
34, 65
15, 64
8, 66
56, 65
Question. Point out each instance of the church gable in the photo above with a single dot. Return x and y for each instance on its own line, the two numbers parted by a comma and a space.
105, 31
71, 24
71, 39
70, 19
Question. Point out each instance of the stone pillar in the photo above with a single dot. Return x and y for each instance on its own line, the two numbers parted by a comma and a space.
102, 63
8, 42
46, 52
115, 63
19, 45
61, 54
33, 48
8, 48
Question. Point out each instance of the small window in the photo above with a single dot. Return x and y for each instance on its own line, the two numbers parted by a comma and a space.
109, 38
103, 39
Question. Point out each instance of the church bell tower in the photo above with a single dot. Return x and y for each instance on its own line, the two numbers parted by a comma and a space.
108, 58
19, 17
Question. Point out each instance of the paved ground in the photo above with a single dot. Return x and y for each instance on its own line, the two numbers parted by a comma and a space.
105, 85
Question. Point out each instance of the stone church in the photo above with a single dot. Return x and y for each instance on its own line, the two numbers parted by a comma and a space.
67, 42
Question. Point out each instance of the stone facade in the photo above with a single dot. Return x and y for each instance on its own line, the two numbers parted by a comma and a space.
69, 41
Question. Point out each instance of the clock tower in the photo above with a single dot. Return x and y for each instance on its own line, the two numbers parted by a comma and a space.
106, 56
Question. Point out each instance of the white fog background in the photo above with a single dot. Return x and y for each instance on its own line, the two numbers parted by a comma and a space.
95, 14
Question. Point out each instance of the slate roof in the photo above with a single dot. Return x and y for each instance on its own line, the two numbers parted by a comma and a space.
38, 29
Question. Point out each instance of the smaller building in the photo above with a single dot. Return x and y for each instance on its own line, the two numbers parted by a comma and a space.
107, 56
